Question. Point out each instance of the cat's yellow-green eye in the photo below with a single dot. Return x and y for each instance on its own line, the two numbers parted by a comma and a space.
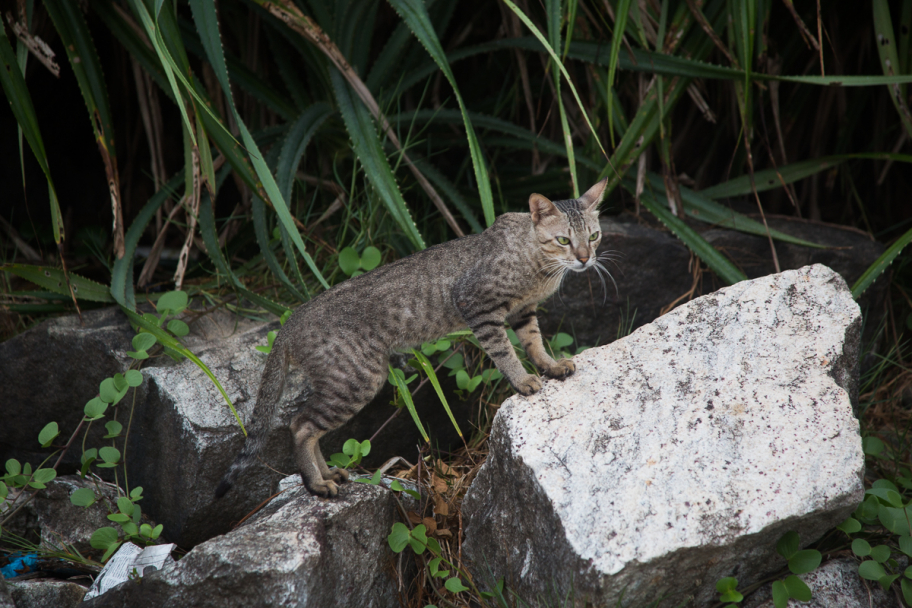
593, 236
563, 240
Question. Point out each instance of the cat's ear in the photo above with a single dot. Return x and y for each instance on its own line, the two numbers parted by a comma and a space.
540, 207
593, 196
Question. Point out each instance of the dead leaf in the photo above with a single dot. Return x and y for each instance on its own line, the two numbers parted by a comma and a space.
443, 534
430, 524
440, 506
414, 518
440, 485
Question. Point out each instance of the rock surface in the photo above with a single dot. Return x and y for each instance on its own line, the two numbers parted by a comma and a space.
183, 436
47, 594
654, 269
298, 551
680, 454
835, 584
49, 518
6, 601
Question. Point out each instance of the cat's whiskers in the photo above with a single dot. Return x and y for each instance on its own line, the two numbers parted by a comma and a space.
599, 269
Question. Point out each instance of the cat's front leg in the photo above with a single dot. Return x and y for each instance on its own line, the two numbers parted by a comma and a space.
525, 323
492, 336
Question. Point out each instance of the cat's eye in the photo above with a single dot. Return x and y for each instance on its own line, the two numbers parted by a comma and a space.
563, 240
593, 236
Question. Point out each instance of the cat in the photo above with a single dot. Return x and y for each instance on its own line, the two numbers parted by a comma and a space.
331, 357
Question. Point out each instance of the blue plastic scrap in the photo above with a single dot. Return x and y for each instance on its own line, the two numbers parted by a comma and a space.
19, 564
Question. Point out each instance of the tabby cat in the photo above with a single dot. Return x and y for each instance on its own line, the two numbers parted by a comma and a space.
331, 357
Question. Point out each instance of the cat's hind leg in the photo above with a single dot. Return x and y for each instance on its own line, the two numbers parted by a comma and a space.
338, 394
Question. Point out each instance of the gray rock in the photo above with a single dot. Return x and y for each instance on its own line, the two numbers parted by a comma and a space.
47, 594
835, 584
653, 269
183, 436
6, 600
50, 372
60, 521
680, 454
299, 550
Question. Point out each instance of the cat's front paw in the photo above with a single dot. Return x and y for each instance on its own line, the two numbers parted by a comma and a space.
324, 488
338, 476
528, 385
561, 369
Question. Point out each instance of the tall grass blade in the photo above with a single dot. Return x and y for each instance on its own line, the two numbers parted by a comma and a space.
21, 103
299, 135
206, 20
432, 376
620, 25
889, 59
74, 33
168, 341
54, 280
260, 230
881, 264
658, 205
210, 238
370, 152
122, 273
415, 15
769, 179
402, 387
522, 16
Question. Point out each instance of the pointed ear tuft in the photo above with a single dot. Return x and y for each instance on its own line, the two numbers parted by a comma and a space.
593, 196
540, 207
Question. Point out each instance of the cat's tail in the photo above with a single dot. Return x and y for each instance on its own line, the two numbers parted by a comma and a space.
271, 387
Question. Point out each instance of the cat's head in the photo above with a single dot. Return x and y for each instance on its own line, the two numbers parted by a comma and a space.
568, 231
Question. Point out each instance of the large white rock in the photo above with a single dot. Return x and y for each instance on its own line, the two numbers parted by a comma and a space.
679, 454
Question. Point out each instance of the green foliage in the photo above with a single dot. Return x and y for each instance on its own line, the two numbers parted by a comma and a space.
352, 264
728, 590
352, 453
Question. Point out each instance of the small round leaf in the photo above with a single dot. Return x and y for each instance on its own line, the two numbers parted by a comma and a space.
399, 537
871, 570
109, 454
114, 428
48, 433
178, 328
797, 589
805, 561
349, 261
850, 526
370, 259
872, 446
861, 547
143, 341
95, 408
133, 377
44, 475
880, 553
788, 544
455, 585
83, 497
103, 538
173, 301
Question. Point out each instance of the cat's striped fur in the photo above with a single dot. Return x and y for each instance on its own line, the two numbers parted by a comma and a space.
331, 357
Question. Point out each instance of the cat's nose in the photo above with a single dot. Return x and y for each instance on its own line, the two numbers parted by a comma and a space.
583, 260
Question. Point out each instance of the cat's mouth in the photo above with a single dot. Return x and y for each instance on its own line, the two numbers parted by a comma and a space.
579, 266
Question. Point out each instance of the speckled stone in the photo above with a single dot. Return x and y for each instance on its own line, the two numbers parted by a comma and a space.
680, 454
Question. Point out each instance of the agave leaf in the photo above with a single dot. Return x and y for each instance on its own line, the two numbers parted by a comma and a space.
122, 273
700, 207
717, 262
206, 20
299, 135
366, 144
74, 33
414, 13
21, 103
881, 264
53, 279
889, 60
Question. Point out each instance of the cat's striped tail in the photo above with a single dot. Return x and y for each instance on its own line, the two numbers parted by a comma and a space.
271, 386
